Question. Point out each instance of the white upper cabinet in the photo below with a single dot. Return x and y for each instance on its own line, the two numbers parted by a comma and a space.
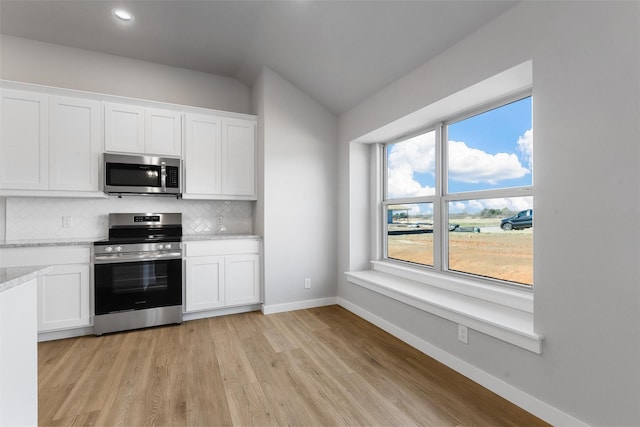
49, 143
238, 157
220, 157
163, 132
74, 144
139, 130
24, 141
203, 153
124, 128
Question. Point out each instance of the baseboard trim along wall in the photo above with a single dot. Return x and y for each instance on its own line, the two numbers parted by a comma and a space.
219, 312
63, 334
529, 403
298, 305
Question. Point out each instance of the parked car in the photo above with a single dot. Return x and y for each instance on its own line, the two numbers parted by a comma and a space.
523, 219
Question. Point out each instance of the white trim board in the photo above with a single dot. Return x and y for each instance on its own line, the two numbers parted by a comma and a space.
298, 305
514, 395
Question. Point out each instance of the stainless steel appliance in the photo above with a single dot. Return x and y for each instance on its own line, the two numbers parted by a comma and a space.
141, 175
138, 272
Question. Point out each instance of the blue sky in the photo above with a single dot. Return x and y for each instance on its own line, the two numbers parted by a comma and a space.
495, 132
490, 150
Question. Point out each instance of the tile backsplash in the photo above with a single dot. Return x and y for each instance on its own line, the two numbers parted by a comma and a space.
42, 218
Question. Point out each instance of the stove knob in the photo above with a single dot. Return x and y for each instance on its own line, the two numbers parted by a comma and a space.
108, 249
160, 246
118, 248
167, 246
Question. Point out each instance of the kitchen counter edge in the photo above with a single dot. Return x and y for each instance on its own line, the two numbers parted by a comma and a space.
89, 241
10, 277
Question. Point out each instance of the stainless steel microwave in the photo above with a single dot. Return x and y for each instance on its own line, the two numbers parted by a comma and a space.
141, 174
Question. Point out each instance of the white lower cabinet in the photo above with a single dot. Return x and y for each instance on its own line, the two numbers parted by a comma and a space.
63, 298
222, 273
242, 279
64, 293
205, 283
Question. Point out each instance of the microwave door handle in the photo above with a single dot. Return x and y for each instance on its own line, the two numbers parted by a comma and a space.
163, 176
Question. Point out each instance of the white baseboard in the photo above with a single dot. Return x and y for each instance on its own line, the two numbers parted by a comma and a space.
527, 402
298, 305
219, 312
67, 333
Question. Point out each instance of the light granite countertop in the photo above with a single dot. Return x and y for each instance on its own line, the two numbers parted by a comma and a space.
198, 237
78, 241
10, 277
88, 241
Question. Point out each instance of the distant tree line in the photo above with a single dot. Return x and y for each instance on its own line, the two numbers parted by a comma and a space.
491, 213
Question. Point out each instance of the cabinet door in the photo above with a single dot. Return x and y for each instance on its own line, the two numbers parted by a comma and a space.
74, 144
63, 297
238, 157
203, 153
242, 279
24, 156
123, 128
19, 358
204, 283
163, 132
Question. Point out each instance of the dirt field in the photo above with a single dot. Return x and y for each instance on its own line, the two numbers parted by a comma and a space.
492, 253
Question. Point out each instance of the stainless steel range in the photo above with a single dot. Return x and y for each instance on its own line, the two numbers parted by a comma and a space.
138, 272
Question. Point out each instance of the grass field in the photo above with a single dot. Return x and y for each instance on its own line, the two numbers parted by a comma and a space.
505, 255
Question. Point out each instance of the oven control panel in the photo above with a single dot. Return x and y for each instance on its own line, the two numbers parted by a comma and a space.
146, 218
137, 251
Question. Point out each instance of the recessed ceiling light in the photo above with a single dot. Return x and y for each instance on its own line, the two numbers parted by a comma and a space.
122, 15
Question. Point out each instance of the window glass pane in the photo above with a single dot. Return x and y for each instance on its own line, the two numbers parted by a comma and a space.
410, 233
411, 167
492, 149
492, 238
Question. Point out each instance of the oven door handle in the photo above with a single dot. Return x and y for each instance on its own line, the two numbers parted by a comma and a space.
116, 258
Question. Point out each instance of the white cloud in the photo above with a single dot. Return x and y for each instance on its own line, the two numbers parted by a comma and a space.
416, 155
511, 203
525, 146
466, 164
471, 165
457, 207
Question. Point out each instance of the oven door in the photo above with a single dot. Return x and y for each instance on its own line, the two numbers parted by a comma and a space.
137, 285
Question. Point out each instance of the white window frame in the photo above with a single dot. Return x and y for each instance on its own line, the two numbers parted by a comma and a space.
442, 197
502, 312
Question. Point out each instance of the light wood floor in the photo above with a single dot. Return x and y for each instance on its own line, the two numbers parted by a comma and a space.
322, 366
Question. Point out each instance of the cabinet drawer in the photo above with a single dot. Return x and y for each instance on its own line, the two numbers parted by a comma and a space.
51, 255
222, 247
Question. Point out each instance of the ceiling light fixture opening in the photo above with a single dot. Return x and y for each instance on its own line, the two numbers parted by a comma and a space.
122, 15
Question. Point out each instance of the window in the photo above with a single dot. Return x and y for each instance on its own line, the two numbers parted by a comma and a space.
458, 197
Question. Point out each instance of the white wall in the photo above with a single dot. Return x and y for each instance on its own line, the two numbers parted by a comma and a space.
3, 203
48, 64
586, 87
298, 192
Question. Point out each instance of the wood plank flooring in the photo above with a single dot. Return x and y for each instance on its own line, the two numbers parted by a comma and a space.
317, 367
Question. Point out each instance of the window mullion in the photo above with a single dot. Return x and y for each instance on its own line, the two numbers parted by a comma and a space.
438, 215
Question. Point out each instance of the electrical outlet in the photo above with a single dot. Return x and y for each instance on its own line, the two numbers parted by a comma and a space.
67, 222
307, 283
463, 334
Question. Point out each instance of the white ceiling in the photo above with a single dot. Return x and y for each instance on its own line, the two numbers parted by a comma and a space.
338, 52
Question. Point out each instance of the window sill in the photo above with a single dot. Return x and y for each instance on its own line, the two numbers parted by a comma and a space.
500, 321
